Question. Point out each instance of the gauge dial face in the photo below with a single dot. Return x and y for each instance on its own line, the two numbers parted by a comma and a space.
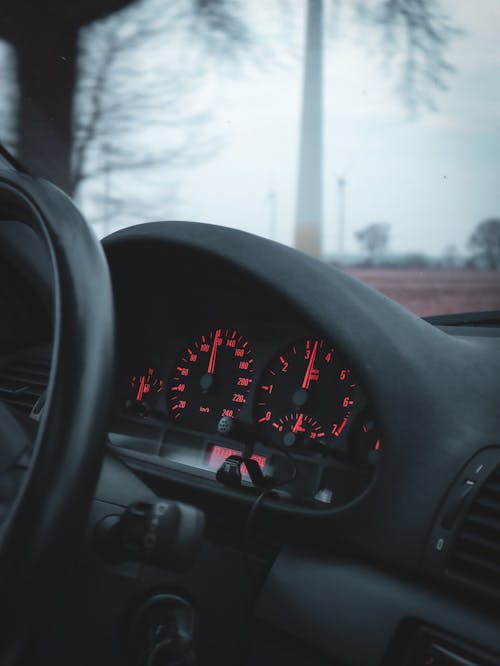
306, 396
298, 428
211, 380
144, 387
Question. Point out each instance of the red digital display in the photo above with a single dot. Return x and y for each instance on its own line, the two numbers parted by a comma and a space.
217, 454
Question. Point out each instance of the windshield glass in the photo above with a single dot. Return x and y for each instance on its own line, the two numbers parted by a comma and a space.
365, 133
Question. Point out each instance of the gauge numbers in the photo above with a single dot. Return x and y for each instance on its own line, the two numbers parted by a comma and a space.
305, 397
211, 379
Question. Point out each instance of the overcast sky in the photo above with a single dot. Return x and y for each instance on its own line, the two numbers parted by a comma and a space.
432, 177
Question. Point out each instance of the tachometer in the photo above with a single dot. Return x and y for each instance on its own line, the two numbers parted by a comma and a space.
211, 379
306, 396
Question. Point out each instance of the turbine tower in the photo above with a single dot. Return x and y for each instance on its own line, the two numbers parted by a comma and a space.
309, 212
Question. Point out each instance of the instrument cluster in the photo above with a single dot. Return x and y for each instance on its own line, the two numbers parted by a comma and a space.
288, 401
223, 381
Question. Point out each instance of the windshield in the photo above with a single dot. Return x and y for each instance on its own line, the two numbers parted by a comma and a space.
364, 133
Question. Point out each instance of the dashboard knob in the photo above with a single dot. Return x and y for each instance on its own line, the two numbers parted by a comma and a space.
158, 532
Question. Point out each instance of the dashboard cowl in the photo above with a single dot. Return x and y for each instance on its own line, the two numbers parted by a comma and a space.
433, 395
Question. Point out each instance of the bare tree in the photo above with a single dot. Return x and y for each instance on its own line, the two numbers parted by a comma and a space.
127, 83
219, 27
485, 243
133, 106
115, 52
374, 239
48, 51
421, 32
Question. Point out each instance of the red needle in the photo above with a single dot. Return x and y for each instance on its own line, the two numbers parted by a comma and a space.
340, 428
310, 366
213, 355
298, 424
141, 388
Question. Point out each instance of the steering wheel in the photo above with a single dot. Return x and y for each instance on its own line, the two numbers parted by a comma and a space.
42, 528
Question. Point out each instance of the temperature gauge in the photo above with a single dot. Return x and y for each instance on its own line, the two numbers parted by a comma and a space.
144, 389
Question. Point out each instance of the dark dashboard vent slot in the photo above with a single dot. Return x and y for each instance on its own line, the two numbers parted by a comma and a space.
475, 554
23, 382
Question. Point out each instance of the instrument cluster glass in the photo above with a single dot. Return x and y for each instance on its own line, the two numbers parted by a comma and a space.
300, 397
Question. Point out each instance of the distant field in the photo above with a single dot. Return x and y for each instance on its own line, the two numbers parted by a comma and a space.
428, 292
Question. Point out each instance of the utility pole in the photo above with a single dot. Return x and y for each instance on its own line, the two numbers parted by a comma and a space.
341, 215
273, 216
309, 214
106, 149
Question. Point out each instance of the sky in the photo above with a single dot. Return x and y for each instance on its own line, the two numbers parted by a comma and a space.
432, 175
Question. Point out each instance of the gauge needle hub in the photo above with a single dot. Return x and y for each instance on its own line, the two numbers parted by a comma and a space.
300, 397
206, 382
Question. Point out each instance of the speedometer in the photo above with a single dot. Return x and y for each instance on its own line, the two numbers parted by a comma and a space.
306, 396
211, 379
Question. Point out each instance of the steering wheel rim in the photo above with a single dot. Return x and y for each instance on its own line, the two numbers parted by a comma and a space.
45, 523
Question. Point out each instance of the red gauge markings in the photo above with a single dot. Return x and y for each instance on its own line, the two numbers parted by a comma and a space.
211, 380
305, 395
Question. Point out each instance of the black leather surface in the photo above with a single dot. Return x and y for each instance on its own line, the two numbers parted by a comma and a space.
46, 522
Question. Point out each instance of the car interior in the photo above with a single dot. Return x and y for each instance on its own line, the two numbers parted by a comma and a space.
218, 450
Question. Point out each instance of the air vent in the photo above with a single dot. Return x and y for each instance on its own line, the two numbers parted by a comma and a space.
23, 382
475, 554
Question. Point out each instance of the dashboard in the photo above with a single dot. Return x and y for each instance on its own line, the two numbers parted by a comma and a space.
258, 384
231, 347
228, 371
249, 372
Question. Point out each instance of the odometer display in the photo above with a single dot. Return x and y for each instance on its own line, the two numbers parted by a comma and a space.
305, 397
211, 379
